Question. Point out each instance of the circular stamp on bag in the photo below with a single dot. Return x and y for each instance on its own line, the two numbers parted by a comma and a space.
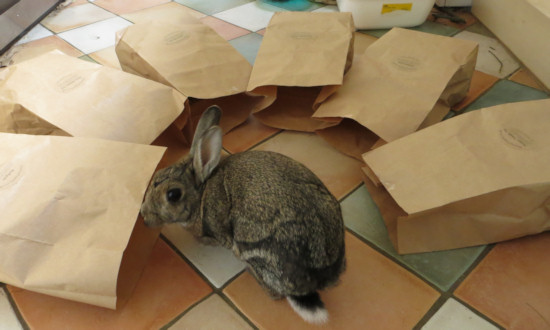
9, 174
175, 37
407, 63
69, 82
516, 138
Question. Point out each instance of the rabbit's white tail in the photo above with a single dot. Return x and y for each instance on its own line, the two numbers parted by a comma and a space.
309, 307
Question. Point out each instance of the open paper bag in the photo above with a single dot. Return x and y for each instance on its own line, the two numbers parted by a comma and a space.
403, 82
192, 58
68, 207
478, 178
56, 94
301, 52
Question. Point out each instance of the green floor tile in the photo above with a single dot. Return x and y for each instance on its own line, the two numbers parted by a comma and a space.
436, 28
441, 268
480, 29
506, 91
211, 7
248, 45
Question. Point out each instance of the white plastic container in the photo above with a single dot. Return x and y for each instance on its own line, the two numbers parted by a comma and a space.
383, 14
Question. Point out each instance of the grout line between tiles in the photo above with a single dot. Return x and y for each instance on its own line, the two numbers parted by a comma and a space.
182, 314
18, 314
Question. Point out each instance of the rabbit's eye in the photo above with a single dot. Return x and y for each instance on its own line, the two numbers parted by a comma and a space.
173, 195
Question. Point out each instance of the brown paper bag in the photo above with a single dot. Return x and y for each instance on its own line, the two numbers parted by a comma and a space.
68, 207
55, 94
300, 52
191, 57
478, 178
404, 81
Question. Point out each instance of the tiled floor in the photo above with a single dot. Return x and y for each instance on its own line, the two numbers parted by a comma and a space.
190, 286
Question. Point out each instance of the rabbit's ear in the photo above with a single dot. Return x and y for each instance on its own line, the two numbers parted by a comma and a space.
206, 155
209, 118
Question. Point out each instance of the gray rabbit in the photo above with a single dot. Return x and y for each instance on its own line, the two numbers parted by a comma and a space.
272, 211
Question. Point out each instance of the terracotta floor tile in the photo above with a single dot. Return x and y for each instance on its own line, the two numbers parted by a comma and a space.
75, 16
213, 313
511, 284
374, 293
167, 287
247, 135
525, 77
34, 48
168, 12
226, 30
107, 57
127, 6
340, 173
480, 83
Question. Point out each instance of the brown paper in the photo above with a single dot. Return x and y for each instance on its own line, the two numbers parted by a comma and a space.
191, 57
69, 206
300, 51
403, 82
55, 94
478, 178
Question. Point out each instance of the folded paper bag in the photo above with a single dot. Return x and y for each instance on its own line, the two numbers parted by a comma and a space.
192, 58
478, 178
69, 206
56, 94
301, 53
404, 81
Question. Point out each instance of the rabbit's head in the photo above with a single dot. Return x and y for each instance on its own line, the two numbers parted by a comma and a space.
174, 194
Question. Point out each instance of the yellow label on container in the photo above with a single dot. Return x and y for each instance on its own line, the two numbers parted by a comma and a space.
390, 7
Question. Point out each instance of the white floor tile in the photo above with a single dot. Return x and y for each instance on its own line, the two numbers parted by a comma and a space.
75, 16
96, 36
493, 58
218, 264
455, 316
253, 16
8, 320
37, 32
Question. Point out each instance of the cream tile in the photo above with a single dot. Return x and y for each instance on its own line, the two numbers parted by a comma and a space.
96, 36
213, 313
340, 173
75, 16
455, 316
493, 58
8, 320
107, 57
218, 264
253, 16
38, 47
37, 32
127, 6
168, 12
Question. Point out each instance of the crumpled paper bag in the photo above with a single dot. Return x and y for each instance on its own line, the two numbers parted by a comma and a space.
404, 81
69, 206
478, 178
301, 53
56, 94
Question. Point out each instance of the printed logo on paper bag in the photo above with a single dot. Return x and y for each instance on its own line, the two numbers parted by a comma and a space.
516, 138
175, 37
302, 35
69, 82
391, 7
407, 63
9, 174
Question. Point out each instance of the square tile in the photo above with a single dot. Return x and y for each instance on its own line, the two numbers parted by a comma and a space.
127, 6
8, 319
252, 16
455, 316
441, 268
211, 7
226, 30
75, 16
480, 83
248, 45
525, 77
340, 173
168, 12
492, 57
506, 91
373, 291
247, 135
35, 48
37, 32
96, 36
212, 313
107, 57
479, 28
167, 287
511, 284
217, 263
